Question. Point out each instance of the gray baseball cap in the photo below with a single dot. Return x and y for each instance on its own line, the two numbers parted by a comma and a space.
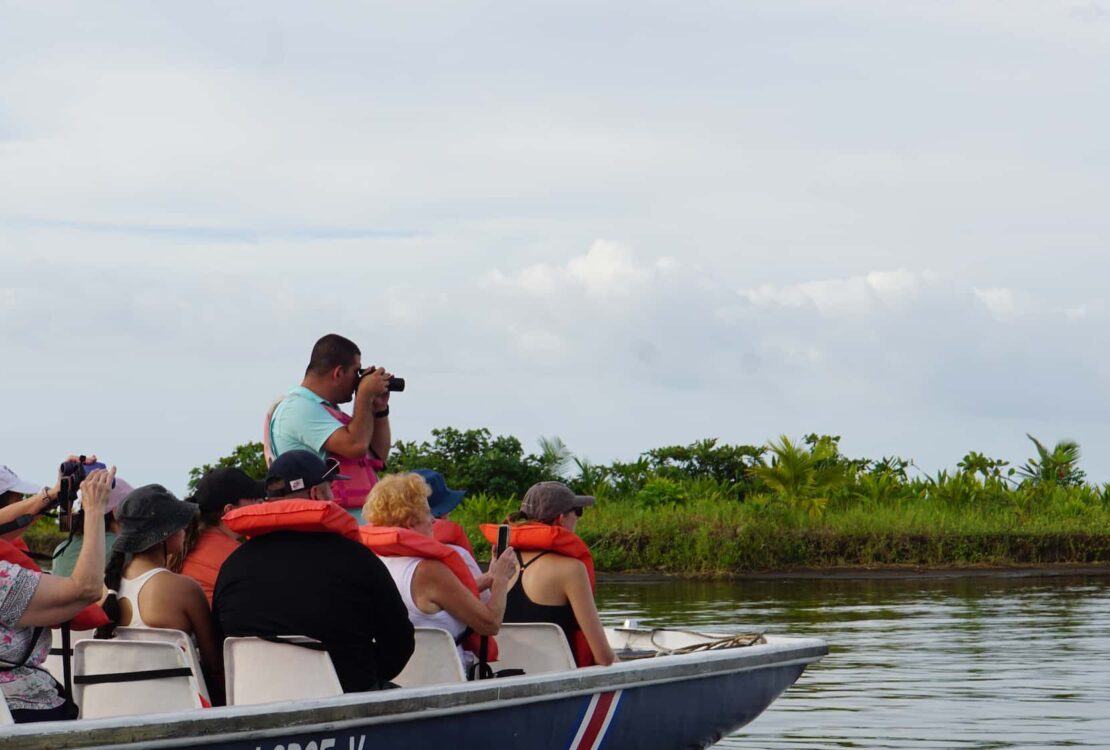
546, 500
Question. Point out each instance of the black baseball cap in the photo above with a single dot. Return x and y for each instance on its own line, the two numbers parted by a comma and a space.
300, 470
225, 485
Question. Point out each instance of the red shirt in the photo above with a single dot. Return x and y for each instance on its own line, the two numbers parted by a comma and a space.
203, 562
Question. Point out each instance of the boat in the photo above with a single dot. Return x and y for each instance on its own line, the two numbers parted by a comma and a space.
672, 689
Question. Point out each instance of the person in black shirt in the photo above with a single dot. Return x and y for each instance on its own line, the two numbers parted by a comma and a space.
316, 584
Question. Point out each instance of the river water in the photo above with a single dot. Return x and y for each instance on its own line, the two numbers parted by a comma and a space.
945, 662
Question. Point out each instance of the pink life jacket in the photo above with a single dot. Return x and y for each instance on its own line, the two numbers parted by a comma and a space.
363, 471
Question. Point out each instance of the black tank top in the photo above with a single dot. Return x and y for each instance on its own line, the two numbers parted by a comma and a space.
519, 608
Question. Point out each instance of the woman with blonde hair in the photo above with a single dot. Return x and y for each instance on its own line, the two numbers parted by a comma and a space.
433, 579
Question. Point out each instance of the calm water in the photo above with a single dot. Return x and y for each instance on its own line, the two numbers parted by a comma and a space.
981, 662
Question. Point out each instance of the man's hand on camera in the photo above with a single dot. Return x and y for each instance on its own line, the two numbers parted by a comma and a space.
374, 384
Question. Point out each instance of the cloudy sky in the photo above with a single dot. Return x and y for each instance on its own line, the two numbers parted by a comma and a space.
628, 224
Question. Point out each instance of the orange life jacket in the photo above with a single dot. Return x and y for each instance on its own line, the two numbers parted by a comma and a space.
391, 541
542, 536
90, 618
449, 532
204, 560
296, 514
363, 471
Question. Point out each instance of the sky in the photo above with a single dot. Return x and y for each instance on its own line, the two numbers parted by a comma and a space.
626, 224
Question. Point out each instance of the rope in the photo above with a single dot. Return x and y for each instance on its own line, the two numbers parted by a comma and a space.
740, 640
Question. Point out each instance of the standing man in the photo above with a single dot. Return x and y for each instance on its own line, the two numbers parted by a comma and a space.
309, 418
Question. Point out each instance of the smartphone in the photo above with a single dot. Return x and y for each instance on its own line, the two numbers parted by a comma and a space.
502, 540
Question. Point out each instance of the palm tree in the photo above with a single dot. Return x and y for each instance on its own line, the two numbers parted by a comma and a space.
554, 456
801, 476
1058, 465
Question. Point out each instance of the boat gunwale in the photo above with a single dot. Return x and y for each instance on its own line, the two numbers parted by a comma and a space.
261, 721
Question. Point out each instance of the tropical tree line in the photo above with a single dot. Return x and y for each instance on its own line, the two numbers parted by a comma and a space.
809, 475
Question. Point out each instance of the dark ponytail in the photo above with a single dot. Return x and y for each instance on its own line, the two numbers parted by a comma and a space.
200, 522
517, 516
113, 574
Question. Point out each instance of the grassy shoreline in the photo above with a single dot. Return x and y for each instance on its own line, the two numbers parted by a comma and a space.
708, 538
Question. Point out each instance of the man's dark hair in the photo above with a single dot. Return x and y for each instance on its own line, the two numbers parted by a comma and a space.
331, 351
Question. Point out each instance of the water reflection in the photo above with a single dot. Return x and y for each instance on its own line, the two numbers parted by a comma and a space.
977, 662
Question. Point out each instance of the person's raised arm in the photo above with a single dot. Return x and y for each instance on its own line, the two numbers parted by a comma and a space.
581, 598
355, 438
435, 583
28, 506
56, 598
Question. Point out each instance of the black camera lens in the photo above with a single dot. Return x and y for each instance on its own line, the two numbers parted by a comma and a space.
395, 384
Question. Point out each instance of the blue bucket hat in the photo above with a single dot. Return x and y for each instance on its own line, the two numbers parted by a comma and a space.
442, 500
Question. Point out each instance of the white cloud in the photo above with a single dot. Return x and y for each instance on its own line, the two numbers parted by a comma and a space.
1001, 303
608, 270
855, 296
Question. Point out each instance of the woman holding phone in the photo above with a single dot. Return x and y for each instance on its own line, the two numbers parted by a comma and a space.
556, 581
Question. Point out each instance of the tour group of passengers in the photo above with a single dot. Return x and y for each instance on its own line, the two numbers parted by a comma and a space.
287, 556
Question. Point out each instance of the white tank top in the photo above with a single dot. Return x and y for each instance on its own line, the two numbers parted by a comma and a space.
402, 569
129, 589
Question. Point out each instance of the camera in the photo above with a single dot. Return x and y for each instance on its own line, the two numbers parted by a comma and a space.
393, 384
72, 474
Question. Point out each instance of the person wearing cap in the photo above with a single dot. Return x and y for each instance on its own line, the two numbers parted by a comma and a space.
32, 602
442, 501
318, 584
142, 591
308, 418
208, 540
555, 582
67, 552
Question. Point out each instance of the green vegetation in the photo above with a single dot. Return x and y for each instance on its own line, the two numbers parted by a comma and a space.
710, 509
715, 509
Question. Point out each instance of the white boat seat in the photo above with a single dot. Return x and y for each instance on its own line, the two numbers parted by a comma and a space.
261, 671
435, 660
131, 694
53, 663
177, 637
5, 714
535, 647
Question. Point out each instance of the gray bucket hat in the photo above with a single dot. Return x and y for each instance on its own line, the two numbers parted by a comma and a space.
149, 515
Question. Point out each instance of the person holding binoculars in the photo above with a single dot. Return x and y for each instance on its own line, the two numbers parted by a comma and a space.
308, 418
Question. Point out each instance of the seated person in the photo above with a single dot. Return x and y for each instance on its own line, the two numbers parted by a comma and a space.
314, 583
32, 602
556, 578
142, 591
66, 553
208, 540
442, 501
437, 587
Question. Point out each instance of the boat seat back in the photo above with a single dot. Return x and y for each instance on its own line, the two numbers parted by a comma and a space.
435, 660
53, 663
535, 647
5, 714
144, 678
177, 637
261, 671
